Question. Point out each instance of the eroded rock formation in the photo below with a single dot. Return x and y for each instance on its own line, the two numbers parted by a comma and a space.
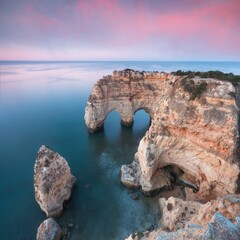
49, 230
218, 219
191, 140
53, 181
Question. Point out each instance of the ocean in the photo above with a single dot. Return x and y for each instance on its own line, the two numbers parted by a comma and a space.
43, 103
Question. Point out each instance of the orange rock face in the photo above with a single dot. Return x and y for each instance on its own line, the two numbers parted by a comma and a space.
198, 137
217, 219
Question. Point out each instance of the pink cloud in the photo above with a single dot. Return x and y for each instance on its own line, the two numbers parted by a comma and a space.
215, 25
217, 20
212, 26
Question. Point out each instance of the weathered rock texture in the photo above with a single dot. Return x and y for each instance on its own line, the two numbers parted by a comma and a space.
218, 219
49, 230
189, 141
53, 181
176, 212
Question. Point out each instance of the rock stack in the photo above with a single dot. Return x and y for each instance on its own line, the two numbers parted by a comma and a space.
53, 184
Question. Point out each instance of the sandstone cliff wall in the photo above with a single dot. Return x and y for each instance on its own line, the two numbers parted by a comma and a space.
193, 141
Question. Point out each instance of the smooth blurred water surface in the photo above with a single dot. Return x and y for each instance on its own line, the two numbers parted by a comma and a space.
43, 103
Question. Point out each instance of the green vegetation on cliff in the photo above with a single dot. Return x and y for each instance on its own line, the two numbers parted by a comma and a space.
234, 79
194, 89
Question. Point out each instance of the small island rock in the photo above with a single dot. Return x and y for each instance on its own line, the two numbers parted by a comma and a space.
53, 181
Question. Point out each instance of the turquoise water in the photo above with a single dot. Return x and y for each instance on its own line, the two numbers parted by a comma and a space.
43, 103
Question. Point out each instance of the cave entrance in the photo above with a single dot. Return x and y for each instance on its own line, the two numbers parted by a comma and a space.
179, 182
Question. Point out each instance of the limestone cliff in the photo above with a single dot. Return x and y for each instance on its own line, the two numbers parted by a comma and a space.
218, 219
53, 181
191, 140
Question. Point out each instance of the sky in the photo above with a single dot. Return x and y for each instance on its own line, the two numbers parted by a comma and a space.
168, 30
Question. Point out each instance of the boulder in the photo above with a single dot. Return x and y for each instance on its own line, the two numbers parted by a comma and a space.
217, 219
53, 181
49, 230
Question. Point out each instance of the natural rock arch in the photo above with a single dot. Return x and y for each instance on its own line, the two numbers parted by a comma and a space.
106, 97
198, 135
122, 121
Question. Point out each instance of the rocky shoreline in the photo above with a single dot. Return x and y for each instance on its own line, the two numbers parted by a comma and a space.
217, 219
192, 141
188, 139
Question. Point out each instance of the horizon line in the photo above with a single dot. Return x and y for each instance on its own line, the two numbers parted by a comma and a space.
119, 60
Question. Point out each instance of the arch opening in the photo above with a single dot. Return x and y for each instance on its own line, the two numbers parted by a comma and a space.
142, 122
139, 118
112, 127
113, 130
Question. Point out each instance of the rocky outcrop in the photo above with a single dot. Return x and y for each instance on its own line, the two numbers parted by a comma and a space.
218, 219
53, 181
176, 212
126, 92
191, 140
219, 228
49, 230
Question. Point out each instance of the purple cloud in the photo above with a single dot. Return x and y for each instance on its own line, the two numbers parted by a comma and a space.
114, 29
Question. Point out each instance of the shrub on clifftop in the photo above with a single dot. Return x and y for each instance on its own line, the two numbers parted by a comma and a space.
234, 79
194, 89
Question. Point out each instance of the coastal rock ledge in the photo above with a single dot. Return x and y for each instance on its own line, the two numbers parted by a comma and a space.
218, 219
192, 139
53, 181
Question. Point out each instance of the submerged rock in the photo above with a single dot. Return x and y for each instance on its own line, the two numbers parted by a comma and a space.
49, 230
53, 181
134, 194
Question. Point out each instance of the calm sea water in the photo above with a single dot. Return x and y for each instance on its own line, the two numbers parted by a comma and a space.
43, 103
